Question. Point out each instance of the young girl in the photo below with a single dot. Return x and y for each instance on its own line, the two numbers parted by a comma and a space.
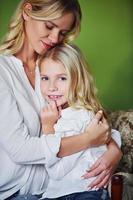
68, 88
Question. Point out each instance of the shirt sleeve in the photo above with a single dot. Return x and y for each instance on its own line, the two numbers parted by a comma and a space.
116, 137
63, 166
21, 147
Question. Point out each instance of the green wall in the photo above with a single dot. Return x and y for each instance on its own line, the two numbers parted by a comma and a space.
106, 40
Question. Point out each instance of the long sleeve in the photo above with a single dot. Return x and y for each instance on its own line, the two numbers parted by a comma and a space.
116, 137
20, 127
24, 151
63, 166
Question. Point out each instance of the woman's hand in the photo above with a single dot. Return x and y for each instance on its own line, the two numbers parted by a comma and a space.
98, 130
96, 133
104, 166
49, 116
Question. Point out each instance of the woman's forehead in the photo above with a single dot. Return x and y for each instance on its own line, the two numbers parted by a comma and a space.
64, 22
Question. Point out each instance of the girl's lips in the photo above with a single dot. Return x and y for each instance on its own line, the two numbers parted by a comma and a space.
54, 97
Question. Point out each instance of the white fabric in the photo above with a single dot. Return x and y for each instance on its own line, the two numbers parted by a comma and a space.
23, 150
65, 174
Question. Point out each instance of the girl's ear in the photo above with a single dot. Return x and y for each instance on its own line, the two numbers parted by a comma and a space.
27, 7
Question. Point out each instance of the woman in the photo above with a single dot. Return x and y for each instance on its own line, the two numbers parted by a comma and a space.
37, 26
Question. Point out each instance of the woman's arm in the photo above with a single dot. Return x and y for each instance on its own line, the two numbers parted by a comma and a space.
61, 167
105, 166
96, 133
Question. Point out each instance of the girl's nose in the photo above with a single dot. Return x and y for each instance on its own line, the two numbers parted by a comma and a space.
53, 87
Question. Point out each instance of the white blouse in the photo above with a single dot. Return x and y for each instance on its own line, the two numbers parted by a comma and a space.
24, 151
65, 175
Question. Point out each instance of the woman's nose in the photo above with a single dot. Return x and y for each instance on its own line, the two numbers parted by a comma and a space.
54, 36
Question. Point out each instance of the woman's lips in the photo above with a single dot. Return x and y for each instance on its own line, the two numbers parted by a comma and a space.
45, 45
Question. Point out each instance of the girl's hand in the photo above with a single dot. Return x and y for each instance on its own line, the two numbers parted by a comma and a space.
104, 166
98, 130
49, 116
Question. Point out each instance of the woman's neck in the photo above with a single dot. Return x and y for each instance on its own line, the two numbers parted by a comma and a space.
29, 60
27, 55
29, 64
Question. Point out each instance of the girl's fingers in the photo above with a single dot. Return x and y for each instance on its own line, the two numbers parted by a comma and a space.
52, 105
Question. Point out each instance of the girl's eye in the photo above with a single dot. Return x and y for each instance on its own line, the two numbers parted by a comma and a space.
44, 78
63, 78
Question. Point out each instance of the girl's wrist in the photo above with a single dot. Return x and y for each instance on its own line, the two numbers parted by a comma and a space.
48, 129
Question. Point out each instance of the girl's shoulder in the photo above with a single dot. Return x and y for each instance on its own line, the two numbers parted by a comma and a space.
85, 114
78, 113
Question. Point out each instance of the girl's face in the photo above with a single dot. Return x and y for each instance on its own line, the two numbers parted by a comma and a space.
43, 35
54, 82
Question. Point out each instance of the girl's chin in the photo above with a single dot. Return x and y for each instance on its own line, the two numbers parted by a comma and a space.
60, 104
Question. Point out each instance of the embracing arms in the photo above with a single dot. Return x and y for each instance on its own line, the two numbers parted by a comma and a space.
104, 166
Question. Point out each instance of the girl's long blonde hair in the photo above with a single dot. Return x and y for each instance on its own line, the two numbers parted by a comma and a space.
41, 10
82, 90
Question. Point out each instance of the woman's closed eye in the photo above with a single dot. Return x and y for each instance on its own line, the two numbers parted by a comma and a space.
49, 25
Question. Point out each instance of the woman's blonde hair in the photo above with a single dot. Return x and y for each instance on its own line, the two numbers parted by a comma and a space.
41, 10
82, 91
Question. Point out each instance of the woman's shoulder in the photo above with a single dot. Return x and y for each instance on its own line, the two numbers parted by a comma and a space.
7, 66
4, 64
4, 59
7, 58
9, 62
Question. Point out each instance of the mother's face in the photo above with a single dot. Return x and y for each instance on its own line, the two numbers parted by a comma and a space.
43, 35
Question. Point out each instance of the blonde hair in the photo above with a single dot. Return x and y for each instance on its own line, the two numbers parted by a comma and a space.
82, 91
41, 10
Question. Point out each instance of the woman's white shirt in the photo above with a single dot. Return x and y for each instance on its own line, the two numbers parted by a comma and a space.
23, 149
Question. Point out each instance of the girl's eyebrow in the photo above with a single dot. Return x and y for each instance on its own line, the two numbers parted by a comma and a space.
62, 74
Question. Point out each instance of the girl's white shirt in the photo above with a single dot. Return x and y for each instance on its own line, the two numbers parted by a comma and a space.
65, 175
24, 150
